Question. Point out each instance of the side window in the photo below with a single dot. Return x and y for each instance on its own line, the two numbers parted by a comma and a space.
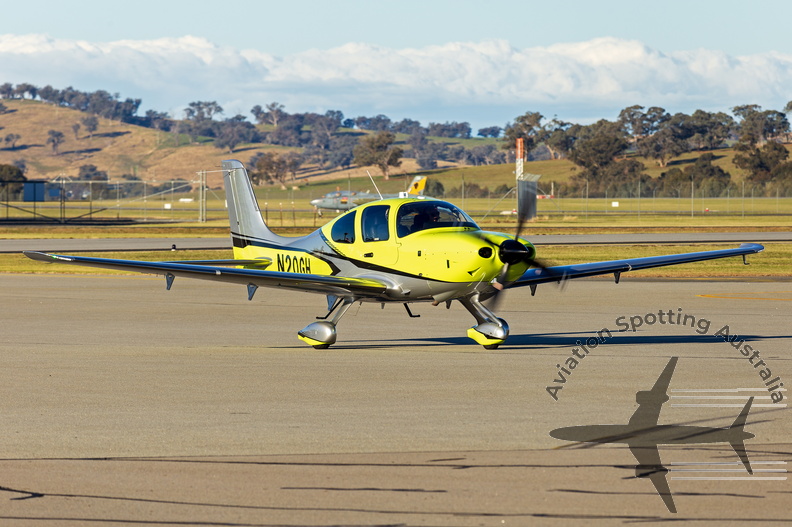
344, 228
374, 223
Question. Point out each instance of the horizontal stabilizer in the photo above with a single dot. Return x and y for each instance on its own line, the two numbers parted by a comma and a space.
737, 443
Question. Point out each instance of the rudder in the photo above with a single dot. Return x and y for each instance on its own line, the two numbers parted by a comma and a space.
244, 215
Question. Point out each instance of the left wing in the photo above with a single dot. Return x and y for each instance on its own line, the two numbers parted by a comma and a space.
617, 267
651, 467
215, 270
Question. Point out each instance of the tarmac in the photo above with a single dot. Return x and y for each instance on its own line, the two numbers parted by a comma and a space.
124, 403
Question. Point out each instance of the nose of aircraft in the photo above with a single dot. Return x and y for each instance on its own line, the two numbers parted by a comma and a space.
315, 202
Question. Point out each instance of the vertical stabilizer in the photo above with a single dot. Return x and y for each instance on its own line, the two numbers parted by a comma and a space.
244, 215
417, 186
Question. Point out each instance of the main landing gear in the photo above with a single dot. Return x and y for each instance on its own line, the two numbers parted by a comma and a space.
322, 334
490, 331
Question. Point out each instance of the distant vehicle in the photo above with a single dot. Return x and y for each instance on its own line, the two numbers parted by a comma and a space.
343, 200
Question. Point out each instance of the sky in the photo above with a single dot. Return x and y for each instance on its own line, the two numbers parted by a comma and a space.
432, 60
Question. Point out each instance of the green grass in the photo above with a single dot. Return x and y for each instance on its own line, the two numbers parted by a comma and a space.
774, 261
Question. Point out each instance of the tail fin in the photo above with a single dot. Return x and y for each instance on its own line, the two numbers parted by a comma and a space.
737, 443
244, 214
417, 186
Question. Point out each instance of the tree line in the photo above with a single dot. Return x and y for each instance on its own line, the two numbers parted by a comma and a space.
603, 151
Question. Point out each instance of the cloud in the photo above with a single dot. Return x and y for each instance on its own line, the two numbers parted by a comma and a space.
462, 81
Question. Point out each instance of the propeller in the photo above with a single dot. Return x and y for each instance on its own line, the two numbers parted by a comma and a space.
512, 252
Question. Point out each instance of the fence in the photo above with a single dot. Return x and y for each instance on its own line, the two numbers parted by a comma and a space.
66, 201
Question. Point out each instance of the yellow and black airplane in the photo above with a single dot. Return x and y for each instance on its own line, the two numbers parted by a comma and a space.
401, 250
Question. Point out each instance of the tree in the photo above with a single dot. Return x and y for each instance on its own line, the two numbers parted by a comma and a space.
292, 161
406, 126
710, 179
6, 90
11, 178
598, 145
91, 124
710, 130
378, 150
11, 140
76, 130
528, 127
26, 88
490, 131
642, 125
662, 146
233, 132
202, 110
759, 162
49, 94
272, 115
275, 113
757, 126
322, 129
55, 139
450, 129
341, 151
674, 183
485, 155
557, 138
288, 132
430, 153
270, 167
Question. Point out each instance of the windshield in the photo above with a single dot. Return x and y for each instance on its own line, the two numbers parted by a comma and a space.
421, 215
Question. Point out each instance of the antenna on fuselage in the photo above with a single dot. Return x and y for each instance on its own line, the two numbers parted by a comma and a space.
375, 185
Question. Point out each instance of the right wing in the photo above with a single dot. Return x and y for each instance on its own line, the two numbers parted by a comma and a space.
328, 285
560, 273
650, 402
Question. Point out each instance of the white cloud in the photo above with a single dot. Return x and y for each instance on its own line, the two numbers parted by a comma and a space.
482, 82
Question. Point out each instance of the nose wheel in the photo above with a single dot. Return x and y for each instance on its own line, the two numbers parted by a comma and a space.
484, 339
491, 331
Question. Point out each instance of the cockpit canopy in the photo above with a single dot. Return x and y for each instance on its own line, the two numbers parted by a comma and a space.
411, 217
417, 216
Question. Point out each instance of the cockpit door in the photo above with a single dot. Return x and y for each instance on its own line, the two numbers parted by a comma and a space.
377, 243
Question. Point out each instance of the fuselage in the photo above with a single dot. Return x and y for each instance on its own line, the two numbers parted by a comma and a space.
650, 436
427, 249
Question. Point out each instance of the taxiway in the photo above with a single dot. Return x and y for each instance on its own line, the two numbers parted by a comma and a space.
127, 403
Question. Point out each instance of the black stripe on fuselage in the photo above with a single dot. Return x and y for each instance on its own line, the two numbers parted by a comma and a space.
379, 268
241, 241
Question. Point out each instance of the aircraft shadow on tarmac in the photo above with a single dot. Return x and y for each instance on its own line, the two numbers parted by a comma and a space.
554, 340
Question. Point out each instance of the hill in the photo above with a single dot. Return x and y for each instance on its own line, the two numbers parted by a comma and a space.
119, 149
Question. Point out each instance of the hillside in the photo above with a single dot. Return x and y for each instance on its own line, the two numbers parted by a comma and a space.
120, 149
